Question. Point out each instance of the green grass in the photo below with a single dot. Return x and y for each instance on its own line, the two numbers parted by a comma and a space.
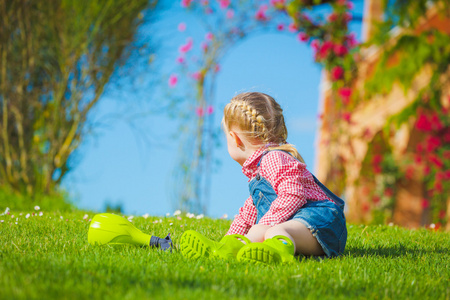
48, 257
59, 200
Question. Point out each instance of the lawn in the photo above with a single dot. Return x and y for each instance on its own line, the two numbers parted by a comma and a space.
46, 256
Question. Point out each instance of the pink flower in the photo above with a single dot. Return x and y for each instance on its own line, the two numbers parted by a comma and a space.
332, 17
377, 169
377, 158
292, 27
446, 137
197, 75
210, 110
340, 50
345, 3
230, 14
376, 163
217, 68
173, 79
436, 161
181, 27
440, 176
351, 40
348, 17
423, 124
205, 2
199, 111
388, 192
420, 148
224, 3
180, 60
347, 117
336, 73
303, 37
209, 36
425, 203
367, 133
433, 143
325, 49
261, 13
204, 46
278, 4
365, 207
280, 27
315, 45
436, 123
345, 93
185, 3
446, 155
409, 172
349, 5
376, 199
427, 170
417, 159
186, 47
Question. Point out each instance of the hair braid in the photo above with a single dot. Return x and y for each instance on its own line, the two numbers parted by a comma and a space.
256, 120
260, 118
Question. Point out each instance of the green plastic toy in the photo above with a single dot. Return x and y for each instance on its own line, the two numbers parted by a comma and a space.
113, 229
195, 245
278, 249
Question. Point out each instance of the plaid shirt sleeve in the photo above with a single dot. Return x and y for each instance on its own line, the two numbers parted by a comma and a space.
245, 219
285, 176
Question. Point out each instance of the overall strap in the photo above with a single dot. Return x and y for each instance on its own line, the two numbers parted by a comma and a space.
339, 202
329, 193
260, 160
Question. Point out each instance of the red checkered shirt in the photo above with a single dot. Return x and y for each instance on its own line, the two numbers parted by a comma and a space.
292, 183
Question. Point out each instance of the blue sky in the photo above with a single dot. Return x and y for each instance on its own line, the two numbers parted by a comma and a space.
115, 166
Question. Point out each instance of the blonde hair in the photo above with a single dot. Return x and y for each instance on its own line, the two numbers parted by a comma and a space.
260, 119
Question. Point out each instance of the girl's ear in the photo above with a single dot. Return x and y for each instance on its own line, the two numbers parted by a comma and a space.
237, 139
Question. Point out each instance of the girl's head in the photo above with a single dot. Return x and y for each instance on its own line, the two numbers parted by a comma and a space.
259, 119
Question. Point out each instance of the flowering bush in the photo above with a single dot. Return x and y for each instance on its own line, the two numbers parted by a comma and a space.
429, 151
432, 155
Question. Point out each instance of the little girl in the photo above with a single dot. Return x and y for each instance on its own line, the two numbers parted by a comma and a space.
289, 211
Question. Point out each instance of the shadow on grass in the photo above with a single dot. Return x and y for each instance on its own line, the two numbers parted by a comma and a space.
392, 251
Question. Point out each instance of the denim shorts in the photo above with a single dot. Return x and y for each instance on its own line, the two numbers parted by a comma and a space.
327, 224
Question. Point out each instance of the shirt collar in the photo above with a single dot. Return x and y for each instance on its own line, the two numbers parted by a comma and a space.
250, 166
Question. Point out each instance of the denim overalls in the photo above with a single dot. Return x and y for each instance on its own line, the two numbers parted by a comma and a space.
325, 219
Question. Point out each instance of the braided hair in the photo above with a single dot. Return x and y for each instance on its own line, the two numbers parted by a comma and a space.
260, 118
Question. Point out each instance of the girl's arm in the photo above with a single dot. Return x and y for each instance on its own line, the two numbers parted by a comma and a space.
245, 219
285, 175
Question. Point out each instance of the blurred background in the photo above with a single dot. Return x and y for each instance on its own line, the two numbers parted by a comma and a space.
117, 106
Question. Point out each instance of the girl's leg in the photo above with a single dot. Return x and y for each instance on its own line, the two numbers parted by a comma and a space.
257, 233
305, 243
